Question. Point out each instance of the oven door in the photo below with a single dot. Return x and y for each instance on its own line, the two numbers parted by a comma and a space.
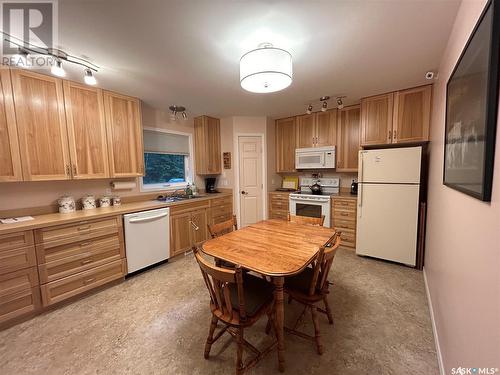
313, 208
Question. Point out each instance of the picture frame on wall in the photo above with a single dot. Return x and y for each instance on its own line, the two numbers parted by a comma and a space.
472, 110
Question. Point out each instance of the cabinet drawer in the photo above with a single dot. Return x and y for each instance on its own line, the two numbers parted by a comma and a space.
189, 206
222, 209
220, 218
221, 201
19, 303
344, 215
70, 286
17, 259
278, 214
67, 260
344, 224
18, 281
81, 231
348, 239
16, 240
279, 205
279, 196
344, 204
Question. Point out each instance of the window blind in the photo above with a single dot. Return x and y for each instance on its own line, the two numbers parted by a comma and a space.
165, 143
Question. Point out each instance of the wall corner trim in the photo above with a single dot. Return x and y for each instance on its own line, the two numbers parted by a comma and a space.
434, 330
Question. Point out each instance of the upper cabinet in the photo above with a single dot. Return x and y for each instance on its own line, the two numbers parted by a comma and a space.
207, 145
286, 142
86, 131
10, 161
376, 119
317, 129
348, 126
399, 117
412, 112
124, 132
41, 122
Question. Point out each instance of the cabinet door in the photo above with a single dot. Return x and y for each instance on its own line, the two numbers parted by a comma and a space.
10, 160
199, 226
41, 122
348, 139
124, 132
207, 145
286, 138
376, 119
180, 233
86, 131
412, 112
326, 128
306, 131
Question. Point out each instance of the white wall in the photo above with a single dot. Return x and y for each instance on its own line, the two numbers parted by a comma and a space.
462, 262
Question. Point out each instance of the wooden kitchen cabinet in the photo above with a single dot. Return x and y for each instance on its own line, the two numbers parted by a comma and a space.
376, 119
278, 205
41, 123
286, 142
10, 159
412, 112
86, 131
188, 226
124, 135
344, 219
348, 126
397, 117
221, 209
207, 145
317, 129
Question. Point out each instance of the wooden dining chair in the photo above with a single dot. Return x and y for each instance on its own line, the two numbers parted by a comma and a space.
219, 229
237, 300
310, 287
306, 219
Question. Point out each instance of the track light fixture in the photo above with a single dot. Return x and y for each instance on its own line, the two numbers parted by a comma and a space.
175, 109
309, 109
57, 69
340, 103
324, 106
89, 77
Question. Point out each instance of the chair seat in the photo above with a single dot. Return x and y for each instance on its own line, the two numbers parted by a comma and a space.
258, 294
301, 282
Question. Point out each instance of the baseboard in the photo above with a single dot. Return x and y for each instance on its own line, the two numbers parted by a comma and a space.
434, 330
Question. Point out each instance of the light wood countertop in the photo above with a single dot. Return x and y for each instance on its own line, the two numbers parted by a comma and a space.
47, 220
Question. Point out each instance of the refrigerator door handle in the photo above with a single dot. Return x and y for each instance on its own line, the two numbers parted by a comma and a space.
360, 180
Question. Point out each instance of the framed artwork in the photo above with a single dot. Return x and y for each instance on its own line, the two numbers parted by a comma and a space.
226, 157
471, 110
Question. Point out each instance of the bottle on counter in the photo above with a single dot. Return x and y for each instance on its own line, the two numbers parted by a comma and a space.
189, 191
194, 188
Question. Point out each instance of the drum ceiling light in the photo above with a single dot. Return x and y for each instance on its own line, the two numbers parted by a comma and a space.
266, 69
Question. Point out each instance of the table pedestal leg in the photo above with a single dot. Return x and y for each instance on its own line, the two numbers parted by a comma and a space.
280, 318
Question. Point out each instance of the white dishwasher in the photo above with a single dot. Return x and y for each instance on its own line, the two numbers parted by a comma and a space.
147, 238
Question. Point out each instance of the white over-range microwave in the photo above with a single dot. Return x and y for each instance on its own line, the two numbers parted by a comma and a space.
315, 158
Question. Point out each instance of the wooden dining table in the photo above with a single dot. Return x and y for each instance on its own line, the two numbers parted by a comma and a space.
274, 248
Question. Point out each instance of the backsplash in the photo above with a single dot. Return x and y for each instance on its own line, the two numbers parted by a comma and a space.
345, 178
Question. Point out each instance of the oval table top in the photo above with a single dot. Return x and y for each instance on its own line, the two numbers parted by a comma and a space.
270, 247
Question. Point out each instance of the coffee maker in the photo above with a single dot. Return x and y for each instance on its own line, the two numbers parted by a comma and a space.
210, 185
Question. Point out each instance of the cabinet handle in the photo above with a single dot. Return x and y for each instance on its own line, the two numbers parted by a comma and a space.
74, 170
84, 228
195, 227
390, 135
87, 261
83, 244
89, 280
394, 136
67, 170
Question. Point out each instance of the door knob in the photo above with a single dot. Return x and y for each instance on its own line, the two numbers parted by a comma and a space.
244, 192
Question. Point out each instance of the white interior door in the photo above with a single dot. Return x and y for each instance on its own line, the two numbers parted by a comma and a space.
387, 222
250, 179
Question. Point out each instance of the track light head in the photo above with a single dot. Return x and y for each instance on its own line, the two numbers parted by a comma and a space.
88, 77
184, 115
340, 103
309, 109
57, 69
324, 107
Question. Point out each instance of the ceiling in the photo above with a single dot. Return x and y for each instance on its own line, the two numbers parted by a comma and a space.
187, 52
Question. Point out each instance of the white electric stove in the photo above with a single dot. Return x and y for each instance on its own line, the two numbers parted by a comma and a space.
305, 203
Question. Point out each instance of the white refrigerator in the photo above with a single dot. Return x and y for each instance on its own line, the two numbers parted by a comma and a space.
388, 200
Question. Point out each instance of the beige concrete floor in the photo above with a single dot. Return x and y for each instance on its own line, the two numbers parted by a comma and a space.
157, 322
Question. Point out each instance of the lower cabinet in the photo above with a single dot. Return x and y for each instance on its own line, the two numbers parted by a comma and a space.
221, 209
188, 226
19, 294
278, 205
78, 257
344, 220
